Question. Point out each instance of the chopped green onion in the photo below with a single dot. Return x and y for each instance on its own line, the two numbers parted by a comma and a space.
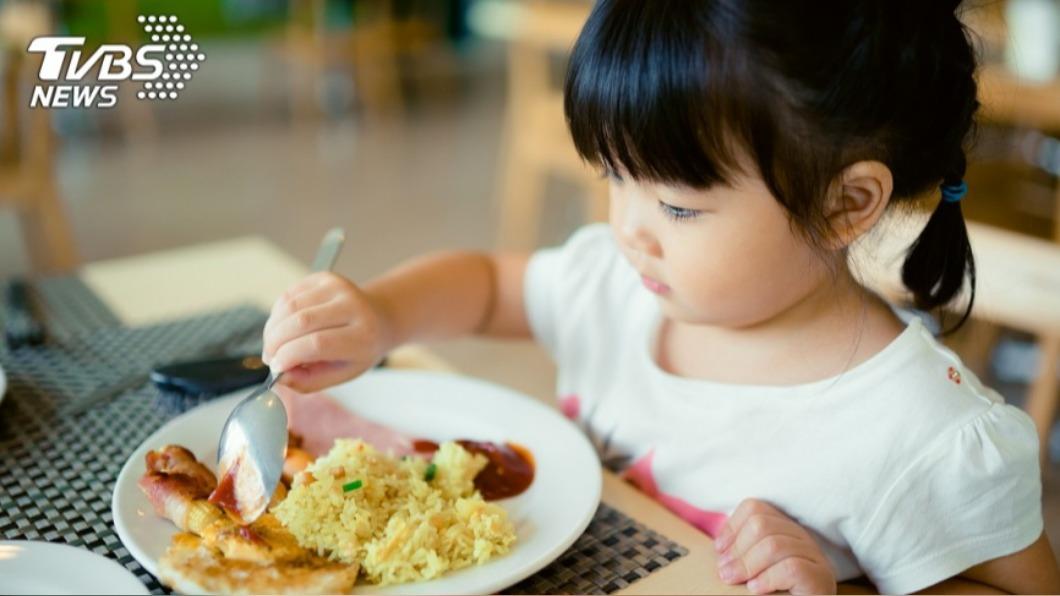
352, 486
431, 470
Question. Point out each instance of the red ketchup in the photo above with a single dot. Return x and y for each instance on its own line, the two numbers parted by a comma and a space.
224, 496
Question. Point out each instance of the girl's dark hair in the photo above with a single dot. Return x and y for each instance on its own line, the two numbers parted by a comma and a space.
675, 91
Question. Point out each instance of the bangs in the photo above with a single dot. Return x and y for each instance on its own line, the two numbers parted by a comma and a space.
652, 91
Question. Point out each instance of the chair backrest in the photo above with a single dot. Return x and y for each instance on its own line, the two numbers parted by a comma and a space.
542, 30
1018, 277
27, 141
550, 25
26, 137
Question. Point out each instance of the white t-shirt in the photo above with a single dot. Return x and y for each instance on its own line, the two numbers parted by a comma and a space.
905, 468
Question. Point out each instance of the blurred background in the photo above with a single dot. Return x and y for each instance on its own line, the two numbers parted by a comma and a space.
427, 124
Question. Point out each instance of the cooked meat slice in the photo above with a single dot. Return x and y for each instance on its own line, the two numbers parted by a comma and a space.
191, 566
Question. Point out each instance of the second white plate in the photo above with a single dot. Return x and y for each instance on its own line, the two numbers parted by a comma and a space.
31, 567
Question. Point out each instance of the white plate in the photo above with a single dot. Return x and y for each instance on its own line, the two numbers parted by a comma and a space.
548, 517
3, 384
29, 567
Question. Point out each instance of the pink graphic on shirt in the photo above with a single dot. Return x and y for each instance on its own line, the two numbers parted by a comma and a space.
641, 475
570, 405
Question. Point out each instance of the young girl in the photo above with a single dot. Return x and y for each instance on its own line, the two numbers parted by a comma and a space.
712, 340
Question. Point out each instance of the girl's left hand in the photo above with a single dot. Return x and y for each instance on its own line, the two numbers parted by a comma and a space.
770, 551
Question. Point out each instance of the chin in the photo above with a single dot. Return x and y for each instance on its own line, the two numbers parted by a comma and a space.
677, 312
682, 314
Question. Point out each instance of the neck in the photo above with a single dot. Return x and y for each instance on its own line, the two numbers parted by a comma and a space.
832, 328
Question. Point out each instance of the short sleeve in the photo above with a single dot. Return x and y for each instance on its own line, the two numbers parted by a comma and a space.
972, 495
563, 282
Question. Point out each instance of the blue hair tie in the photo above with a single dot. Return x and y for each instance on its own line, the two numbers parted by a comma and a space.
951, 193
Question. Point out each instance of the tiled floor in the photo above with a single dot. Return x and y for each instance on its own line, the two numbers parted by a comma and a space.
228, 161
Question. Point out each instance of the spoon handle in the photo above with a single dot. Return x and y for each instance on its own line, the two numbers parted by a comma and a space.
329, 250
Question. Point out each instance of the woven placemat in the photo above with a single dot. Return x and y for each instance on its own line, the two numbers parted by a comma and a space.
614, 552
58, 470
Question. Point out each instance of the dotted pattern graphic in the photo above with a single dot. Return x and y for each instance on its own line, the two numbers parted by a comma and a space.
181, 59
58, 470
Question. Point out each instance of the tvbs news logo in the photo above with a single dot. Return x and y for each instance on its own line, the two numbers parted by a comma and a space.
162, 67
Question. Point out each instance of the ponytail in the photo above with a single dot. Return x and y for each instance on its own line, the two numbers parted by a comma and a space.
937, 262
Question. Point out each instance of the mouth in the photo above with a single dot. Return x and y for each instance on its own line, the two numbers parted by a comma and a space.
655, 286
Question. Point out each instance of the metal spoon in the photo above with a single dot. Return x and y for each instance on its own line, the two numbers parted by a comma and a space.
253, 442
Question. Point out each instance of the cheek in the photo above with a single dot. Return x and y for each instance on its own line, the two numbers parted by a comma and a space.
741, 273
614, 207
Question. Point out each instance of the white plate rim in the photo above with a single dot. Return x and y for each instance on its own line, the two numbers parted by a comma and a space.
227, 402
3, 384
84, 557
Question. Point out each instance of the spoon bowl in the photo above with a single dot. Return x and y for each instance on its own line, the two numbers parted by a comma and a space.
251, 451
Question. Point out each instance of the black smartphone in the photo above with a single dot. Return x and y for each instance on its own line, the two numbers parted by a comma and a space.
215, 376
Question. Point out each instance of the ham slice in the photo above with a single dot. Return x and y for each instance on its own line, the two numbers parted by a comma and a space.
318, 419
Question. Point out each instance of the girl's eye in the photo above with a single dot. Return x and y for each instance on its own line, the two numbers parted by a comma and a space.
678, 213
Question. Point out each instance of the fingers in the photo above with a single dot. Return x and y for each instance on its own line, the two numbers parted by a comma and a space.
756, 529
310, 290
309, 282
322, 346
350, 344
320, 301
302, 322
761, 544
320, 375
746, 509
321, 332
796, 575
763, 554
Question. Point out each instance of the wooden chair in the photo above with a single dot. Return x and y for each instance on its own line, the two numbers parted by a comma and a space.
1008, 100
137, 117
371, 48
536, 143
27, 166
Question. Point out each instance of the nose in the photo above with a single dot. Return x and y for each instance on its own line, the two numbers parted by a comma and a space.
632, 218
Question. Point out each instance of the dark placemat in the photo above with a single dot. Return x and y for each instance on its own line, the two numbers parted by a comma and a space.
58, 470
614, 552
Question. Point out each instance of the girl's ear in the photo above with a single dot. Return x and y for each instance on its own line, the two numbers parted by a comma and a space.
857, 201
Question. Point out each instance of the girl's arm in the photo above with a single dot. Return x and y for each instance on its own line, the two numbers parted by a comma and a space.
453, 294
325, 329
1032, 570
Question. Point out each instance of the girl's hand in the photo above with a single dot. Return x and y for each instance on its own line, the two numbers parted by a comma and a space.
770, 551
322, 331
